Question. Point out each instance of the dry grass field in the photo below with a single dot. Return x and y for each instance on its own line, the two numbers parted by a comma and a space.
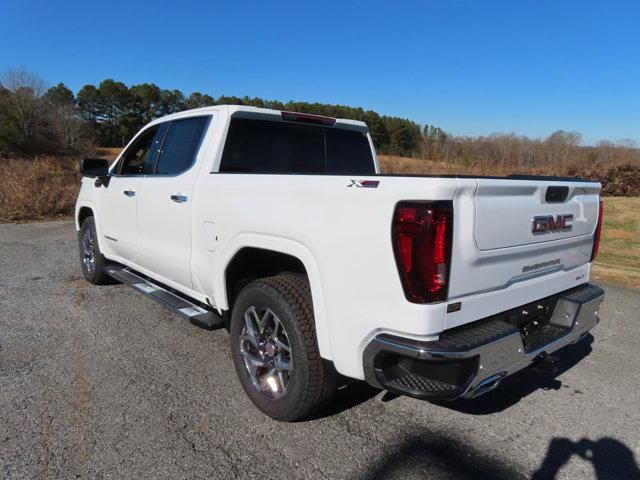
37, 189
46, 188
393, 164
41, 188
619, 256
110, 153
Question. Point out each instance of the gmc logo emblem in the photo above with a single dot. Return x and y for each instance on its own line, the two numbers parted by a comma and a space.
549, 223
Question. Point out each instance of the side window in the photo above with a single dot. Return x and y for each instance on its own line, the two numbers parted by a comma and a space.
140, 156
180, 145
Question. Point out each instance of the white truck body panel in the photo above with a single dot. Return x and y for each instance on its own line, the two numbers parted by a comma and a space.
342, 236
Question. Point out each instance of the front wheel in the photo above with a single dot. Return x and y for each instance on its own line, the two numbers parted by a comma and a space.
91, 259
275, 350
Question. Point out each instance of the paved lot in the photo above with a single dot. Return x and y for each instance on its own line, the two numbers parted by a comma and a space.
101, 382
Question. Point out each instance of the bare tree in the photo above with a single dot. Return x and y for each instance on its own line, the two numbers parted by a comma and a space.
21, 99
505, 145
70, 130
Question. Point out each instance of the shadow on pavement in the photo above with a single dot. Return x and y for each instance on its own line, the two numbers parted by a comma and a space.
435, 456
511, 390
611, 459
521, 384
350, 394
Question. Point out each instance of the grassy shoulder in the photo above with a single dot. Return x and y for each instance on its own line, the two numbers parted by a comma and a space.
619, 256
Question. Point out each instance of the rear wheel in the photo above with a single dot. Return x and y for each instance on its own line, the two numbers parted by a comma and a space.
275, 350
91, 258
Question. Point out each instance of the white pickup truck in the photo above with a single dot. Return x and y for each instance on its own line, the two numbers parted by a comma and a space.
280, 227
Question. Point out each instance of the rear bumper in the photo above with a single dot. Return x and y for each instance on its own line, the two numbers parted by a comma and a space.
471, 361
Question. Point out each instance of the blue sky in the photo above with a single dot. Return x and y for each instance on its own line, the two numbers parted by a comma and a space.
470, 67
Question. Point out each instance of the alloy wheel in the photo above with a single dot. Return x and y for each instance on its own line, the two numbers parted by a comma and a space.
265, 348
88, 251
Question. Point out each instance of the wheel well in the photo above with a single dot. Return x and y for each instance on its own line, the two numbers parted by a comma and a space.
252, 263
85, 212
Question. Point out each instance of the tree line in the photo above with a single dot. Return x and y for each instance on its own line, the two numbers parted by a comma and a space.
39, 120
561, 152
35, 120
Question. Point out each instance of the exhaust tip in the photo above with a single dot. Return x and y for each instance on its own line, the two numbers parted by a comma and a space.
487, 384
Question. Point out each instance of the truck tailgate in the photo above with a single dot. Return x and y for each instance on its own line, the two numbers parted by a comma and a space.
507, 231
505, 211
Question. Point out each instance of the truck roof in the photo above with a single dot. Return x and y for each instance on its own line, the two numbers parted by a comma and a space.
248, 111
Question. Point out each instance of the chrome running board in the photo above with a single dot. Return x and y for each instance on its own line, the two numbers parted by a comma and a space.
199, 316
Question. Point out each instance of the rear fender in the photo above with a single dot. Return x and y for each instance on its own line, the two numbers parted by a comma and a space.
289, 247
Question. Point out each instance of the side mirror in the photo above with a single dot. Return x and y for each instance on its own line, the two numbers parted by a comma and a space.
94, 167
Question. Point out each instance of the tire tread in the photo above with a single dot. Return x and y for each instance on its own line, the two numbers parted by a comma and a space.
321, 381
99, 276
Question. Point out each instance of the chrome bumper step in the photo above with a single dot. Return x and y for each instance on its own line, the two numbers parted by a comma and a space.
471, 361
199, 316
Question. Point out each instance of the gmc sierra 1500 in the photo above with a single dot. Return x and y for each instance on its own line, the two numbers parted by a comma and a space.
279, 226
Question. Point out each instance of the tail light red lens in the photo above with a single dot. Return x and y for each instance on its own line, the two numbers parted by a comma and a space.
422, 245
598, 234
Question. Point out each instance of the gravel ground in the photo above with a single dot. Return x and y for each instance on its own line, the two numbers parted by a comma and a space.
102, 382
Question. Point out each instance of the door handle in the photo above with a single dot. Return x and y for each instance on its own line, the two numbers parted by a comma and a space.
129, 193
179, 198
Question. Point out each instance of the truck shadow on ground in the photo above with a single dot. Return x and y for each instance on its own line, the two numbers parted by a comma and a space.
513, 389
523, 383
437, 455
350, 394
610, 458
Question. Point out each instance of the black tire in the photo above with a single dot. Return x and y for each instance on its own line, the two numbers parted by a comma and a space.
312, 380
92, 271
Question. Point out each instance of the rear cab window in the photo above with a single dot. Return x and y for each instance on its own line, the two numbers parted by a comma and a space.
266, 146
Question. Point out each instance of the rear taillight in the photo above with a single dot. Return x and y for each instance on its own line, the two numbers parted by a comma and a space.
598, 234
422, 245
